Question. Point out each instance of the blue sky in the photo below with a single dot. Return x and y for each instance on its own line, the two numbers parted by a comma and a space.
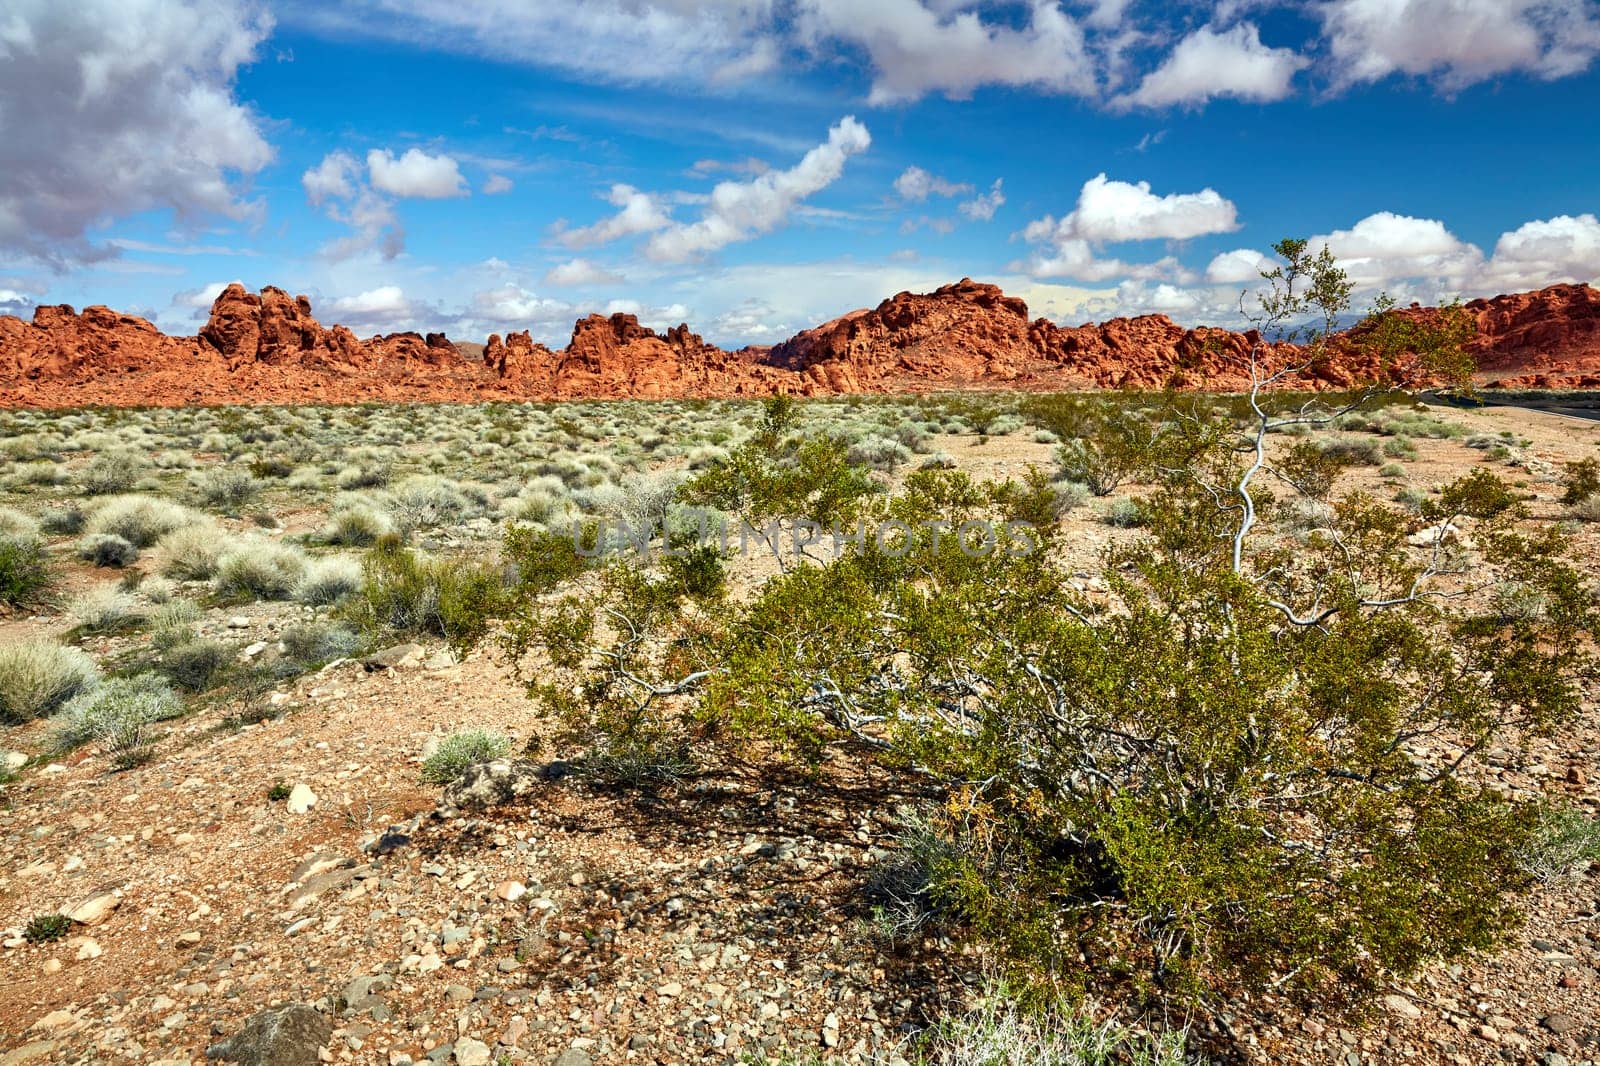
757, 166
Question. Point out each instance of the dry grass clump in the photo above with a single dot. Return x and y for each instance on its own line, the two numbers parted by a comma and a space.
190, 553
140, 520
37, 676
259, 568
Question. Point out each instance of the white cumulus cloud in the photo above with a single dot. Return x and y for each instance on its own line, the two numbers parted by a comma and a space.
1208, 64
113, 107
580, 271
415, 174
495, 184
1458, 42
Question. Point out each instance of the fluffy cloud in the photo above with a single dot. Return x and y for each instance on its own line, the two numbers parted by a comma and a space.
1386, 246
1110, 210
948, 48
113, 107
1239, 265
916, 184
739, 210
416, 174
580, 271
382, 300
1564, 248
337, 177
640, 213
513, 305
1208, 64
982, 207
201, 298
367, 206
495, 184
1458, 42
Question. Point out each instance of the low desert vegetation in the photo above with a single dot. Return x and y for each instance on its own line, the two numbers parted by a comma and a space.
1224, 774
460, 750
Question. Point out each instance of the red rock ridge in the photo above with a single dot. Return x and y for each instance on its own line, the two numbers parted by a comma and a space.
269, 348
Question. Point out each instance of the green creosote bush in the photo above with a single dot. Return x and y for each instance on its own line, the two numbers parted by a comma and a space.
462, 749
37, 676
27, 575
404, 593
1203, 783
1580, 481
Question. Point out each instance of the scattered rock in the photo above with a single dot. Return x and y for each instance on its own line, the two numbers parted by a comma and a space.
301, 799
290, 1036
95, 909
489, 784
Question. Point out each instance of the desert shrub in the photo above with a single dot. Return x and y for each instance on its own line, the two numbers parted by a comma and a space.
367, 474
1201, 781
158, 590
427, 501
16, 525
462, 749
1118, 448
406, 593
104, 609
260, 568
1580, 481
356, 524
225, 488
113, 472
1566, 841
879, 453
1392, 470
37, 676
1399, 448
118, 713
938, 461
174, 615
195, 665
328, 580
107, 549
27, 576
1586, 509
140, 520
1125, 514
319, 642
1352, 451
1003, 1032
44, 928
65, 520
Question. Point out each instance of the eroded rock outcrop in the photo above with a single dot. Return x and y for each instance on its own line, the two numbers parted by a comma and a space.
268, 347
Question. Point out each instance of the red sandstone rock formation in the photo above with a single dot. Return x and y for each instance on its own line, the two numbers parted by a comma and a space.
268, 348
